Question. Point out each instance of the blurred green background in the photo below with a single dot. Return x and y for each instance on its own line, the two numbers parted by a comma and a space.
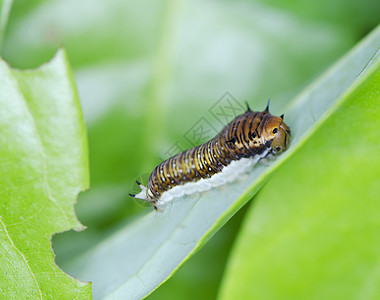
147, 71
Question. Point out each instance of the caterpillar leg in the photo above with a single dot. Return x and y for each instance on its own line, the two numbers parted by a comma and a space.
265, 160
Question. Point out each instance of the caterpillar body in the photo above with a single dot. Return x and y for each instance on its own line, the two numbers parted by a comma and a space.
250, 137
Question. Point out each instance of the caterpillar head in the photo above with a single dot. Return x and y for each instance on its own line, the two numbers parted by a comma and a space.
279, 133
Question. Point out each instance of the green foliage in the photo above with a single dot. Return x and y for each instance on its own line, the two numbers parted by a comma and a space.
146, 72
44, 165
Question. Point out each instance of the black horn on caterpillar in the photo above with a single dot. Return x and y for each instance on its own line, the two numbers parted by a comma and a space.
267, 108
248, 108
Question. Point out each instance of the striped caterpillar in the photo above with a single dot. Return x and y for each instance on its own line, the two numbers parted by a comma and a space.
250, 137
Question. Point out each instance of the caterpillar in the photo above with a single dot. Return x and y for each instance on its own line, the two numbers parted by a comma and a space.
248, 138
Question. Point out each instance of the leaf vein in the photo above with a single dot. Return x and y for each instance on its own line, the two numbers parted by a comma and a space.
22, 256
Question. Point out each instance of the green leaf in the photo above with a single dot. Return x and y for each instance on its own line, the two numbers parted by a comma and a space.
205, 268
313, 231
138, 258
43, 167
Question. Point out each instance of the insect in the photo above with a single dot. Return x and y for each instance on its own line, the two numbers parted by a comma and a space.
250, 137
